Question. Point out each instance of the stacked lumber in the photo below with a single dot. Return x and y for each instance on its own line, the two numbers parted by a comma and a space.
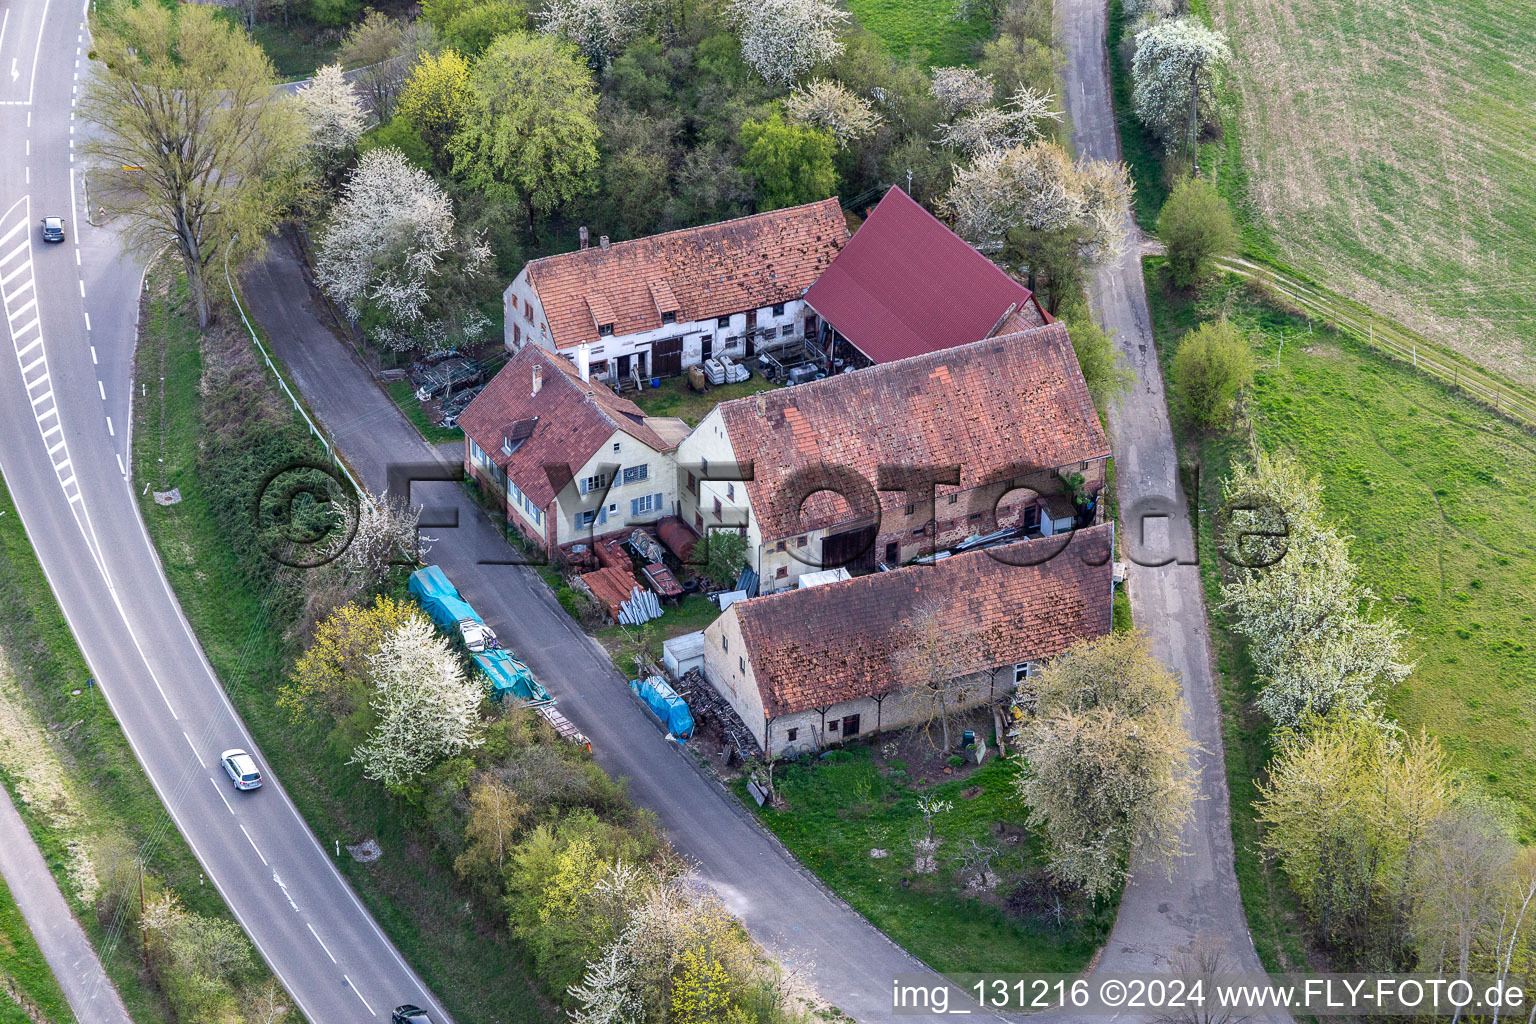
707, 706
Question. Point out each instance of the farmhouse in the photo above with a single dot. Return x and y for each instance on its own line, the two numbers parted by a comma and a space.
565, 457
895, 462
808, 667
651, 307
905, 285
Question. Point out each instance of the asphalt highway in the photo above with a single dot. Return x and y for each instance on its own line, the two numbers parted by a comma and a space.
65, 399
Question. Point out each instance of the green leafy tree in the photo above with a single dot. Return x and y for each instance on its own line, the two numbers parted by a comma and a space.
470, 27
531, 135
437, 98
194, 145
399, 134
333, 13
1195, 227
724, 554
1104, 369
1108, 773
1213, 363
791, 163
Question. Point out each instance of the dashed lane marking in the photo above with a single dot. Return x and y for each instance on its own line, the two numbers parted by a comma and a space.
220, 790
359, 994
322, 942
255, 847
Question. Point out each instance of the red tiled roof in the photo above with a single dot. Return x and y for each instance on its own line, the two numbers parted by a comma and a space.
1019, 602
611, 585
905, 284
999, 409
703, 272
564, 427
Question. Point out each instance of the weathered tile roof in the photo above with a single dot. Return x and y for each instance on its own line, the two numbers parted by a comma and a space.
1000, 409
905, 284
562, 425
702, 272
1019, 602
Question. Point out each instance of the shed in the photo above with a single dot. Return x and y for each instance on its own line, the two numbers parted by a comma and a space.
682, 653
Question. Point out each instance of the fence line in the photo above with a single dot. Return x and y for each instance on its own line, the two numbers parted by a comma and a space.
266, 356
1474, 382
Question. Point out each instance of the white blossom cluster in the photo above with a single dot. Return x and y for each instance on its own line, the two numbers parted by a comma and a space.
824, 103
960, 88
599, 28
986, 128
1173, 57
428, 709
332, 110
783, 39
1303, 615
1038, 187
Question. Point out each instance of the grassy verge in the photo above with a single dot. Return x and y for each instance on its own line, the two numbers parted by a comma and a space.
412, 895
840, 809
1436, 494
404, 395
692, 613
1141, 153
25, 977
924, 31
674, 398
297, 48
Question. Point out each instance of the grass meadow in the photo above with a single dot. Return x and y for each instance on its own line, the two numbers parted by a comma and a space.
1439, 497
926, 31
1385, 149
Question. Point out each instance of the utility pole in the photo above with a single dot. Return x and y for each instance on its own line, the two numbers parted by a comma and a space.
909, 181
143, 925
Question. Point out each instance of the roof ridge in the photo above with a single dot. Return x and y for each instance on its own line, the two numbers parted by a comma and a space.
697, 228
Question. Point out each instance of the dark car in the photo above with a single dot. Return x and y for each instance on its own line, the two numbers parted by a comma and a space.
409, 1014
53, 229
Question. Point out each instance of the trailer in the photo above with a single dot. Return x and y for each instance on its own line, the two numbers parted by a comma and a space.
449, 612
563, 726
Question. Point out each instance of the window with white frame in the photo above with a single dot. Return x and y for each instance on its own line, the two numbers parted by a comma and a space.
634, 474
1022, 671
596, 482
644, 504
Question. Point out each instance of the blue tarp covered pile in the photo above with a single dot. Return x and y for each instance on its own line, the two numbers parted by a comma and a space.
665, 704
439, 598
508, 675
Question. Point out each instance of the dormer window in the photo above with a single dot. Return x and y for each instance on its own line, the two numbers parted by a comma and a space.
666, 303
605, 330
669, 318
778, 309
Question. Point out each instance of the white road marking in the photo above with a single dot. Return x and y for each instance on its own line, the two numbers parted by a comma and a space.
23, 309
110, 431
283, 886
103, 389
82, 289
33, 365
30, 284
220, 790
359, 994
77, 258
30, 346
36, 52
20, 226
322, 943
254, 846
87, 316
55, 448
4, 23
194, 748
23, 247
93, 354
17, 332
8, 278
120, 468
40, 399
55, 429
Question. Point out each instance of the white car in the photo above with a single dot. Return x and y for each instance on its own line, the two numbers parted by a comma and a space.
241, 769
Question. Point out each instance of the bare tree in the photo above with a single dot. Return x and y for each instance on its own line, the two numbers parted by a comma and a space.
386, 531
932, 662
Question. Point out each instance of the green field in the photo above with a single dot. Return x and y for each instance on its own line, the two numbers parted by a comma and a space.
841, 808
24, 973
413, 896
1437, 494
924, 31
1386, 150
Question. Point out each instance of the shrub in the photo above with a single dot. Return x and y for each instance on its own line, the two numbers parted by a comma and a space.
1213, 363
1195, 226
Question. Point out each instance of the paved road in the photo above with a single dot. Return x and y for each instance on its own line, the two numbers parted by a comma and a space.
58, 934
845, 958
66, 356
1161, 916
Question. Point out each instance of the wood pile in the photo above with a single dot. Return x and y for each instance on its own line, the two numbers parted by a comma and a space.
709, 708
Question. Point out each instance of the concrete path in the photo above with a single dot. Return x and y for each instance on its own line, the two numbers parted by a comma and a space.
1198, 907
58, 934
806, 928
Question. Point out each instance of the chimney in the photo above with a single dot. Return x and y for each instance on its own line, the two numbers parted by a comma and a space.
538, 377
603, 241
584, 361
583, 234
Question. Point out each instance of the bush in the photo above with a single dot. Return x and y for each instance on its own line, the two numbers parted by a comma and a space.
1212, 365
1104, 371
1195, 226
333, 13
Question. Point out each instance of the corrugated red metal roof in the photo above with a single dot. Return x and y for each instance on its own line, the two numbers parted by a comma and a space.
905, 284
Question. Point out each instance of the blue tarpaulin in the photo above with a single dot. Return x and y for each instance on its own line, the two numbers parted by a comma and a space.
447, 611
508, 675
665, 704
432, 582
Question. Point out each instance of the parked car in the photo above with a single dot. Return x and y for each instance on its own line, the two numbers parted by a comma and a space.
409, 1014
241, 769
53, 229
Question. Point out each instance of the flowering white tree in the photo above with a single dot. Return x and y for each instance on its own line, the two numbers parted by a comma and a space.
827, 104
984, 128
599, 28
1173, 58
390, 233
332, 111
783, 39
960, 88
385, 527
1302, 613
427, 708
607, 993
1039, 188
